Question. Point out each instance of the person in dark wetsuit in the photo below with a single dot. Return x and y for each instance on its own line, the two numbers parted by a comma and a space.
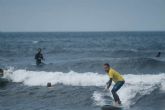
158, 55
39, 57
1, 72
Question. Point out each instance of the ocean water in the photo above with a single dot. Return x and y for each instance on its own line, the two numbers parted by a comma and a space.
74, 66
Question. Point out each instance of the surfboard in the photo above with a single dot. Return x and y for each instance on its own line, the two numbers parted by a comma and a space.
111, 107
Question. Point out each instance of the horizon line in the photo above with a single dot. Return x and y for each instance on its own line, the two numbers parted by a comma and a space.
78, 31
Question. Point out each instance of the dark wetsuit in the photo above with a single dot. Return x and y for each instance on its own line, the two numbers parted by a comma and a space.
158, 55
39, 58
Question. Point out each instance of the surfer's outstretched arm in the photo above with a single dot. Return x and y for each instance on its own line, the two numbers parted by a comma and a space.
109, 83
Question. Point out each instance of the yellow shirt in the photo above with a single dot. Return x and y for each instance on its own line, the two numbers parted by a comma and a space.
115, 75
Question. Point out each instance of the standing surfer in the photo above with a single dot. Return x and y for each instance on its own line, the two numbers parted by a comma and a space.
39, 57
117, 78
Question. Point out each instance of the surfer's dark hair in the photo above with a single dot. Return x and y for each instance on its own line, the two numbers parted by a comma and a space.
106, 64
39, 49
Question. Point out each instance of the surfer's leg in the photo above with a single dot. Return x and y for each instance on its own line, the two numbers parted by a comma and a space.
116, 87
115, 96
38, 62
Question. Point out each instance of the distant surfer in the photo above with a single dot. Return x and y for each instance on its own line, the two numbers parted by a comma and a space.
39, 57
49, 84
1, 72
3, 81
158, 55
117, 78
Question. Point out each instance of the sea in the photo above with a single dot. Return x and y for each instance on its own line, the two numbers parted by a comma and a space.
74, 66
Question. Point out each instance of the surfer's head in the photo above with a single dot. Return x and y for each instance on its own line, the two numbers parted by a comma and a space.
39, 50
106, 67
49, 84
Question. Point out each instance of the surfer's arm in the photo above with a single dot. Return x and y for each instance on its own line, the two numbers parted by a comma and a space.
109, 83
35, 57
42, 57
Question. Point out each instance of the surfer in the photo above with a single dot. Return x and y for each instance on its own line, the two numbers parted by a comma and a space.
158, 55
39, 57
49, 84
117, 78
1, 72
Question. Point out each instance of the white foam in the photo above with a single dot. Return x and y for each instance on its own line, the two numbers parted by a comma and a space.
35, 42
34, 78
135, 84
98, 97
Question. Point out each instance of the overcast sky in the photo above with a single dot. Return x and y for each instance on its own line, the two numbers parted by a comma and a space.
82, 15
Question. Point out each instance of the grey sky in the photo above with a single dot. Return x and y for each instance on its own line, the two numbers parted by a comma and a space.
82, 15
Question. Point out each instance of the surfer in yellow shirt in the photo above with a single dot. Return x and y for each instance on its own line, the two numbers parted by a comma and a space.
117, 78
